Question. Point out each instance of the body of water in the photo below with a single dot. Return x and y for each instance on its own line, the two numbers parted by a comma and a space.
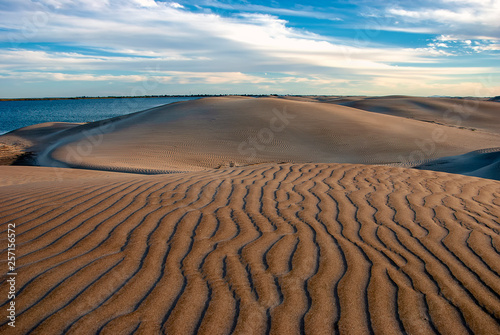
18, 114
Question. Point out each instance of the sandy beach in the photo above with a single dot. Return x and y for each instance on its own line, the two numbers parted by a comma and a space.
273, 215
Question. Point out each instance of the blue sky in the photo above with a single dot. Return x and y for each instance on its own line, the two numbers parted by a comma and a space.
51, 48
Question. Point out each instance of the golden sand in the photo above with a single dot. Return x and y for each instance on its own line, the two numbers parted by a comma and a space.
266, 247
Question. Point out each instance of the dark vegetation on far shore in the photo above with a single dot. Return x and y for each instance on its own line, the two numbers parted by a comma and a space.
497, 98
138, 97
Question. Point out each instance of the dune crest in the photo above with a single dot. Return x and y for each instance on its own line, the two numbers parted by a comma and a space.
219, 132
468, 113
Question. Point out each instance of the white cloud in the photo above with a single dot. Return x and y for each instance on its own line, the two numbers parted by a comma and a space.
302, 11
58, 76
175, 5
489, 47
472, 18
130, 40
166, 34
61, 4
456, 45
446, 38
146, 3
445, 15
418, 87
173, 77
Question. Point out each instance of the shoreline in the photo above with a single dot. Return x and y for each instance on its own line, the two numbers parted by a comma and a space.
276, 130
137, 97
495, 99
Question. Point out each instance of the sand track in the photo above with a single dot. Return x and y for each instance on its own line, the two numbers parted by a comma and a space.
272, 248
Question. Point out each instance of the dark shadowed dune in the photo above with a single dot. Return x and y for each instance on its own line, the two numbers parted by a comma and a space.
481, 163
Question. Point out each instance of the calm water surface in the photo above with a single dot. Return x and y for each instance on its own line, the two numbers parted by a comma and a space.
18, 114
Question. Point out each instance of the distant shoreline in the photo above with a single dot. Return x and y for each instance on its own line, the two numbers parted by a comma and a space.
136, 97
497, 98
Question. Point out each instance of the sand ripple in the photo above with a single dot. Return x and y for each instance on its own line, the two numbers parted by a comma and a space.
280, 249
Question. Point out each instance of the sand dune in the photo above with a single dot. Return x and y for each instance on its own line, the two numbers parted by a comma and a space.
10, 154
284, 249
16, 175
223, 132
264, 228
472, 114
480, 163
18, 145
36, 134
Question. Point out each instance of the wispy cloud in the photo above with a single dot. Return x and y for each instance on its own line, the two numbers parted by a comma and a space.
297, 10
130, 41
172, 34
474, 19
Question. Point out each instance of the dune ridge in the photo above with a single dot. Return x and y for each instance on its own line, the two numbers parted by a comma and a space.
469, 113
270, 248
230, 131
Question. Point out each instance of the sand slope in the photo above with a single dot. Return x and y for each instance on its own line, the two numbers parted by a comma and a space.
284, 249
16, 147
223, 132
240, 241
472, 114
480, 163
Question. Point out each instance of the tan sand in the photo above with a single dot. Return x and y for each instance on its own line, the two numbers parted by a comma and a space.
314, 248
221, 132
10, 154
311, 246
472, 114
17, 146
